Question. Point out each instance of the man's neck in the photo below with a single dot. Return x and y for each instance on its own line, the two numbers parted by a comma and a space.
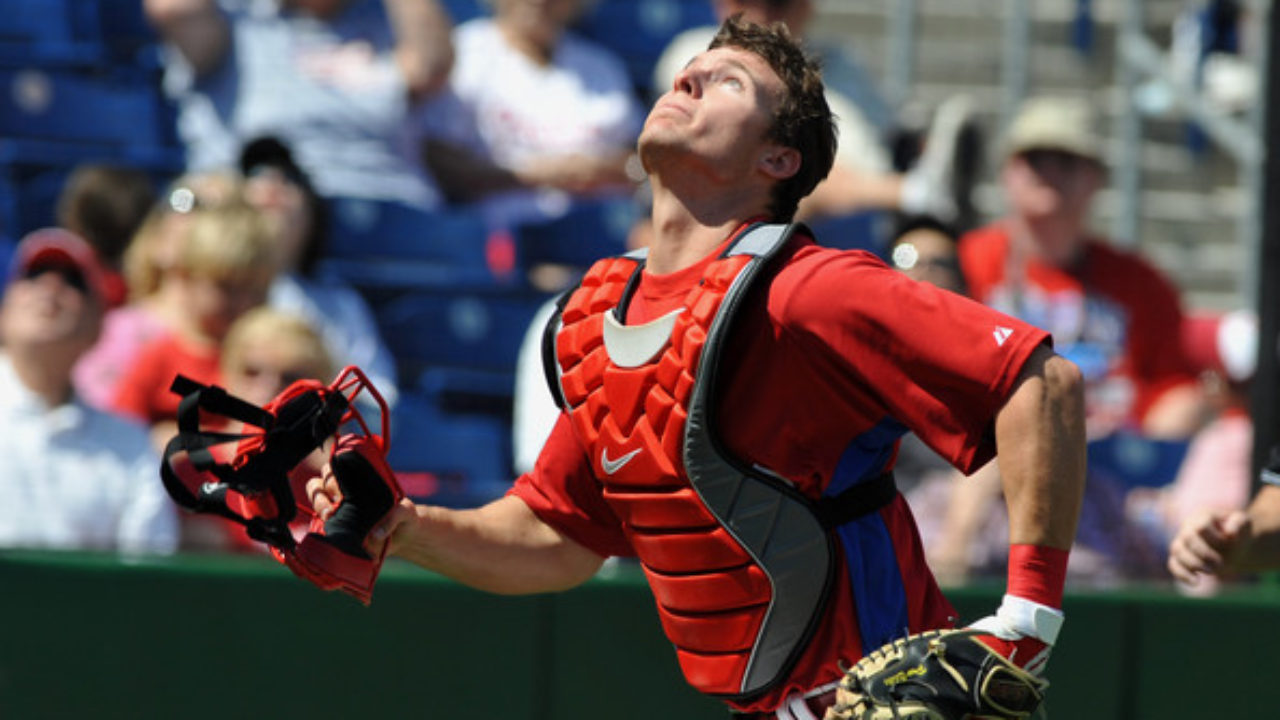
688, 226
45, 372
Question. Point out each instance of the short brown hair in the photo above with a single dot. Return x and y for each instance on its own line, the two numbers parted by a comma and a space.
803, 120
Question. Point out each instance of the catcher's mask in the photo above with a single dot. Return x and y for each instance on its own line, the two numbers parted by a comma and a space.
253, 486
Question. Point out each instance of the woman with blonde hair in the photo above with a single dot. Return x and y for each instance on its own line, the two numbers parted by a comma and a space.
151, 307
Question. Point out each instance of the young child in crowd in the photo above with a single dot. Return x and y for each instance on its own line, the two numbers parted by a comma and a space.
223, 267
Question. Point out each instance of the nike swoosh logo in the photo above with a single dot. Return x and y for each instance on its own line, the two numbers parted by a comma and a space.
613, 466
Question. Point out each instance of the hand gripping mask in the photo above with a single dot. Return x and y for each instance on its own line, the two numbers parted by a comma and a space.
253, 487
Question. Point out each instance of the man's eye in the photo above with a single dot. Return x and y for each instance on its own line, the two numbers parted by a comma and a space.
732, 82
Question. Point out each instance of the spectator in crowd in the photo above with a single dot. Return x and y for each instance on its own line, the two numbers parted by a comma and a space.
75, 477
282, 191
1110, 311
335, 79
863, 177
924, 248
223, 268
1117, 316
152, 304
1216, 474
105, 205
533, 114
1214, 544
265, 351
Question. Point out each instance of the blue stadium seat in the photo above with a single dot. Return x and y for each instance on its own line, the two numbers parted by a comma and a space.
1132, 460
639, 30
32, 174
381, 245
65, 105
478, 330
856, 231
73, 33
467, 455
589, 231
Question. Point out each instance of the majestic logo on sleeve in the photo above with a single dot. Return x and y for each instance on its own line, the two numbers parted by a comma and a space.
613, 466
1001, 334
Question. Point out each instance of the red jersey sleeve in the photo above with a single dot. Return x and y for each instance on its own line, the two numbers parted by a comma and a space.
563, 493
939, 363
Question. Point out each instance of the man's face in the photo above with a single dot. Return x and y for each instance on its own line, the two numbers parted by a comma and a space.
215, 301
1048, 183
50, 308
717, 113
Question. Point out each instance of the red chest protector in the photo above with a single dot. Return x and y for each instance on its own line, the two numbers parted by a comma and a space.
739, 562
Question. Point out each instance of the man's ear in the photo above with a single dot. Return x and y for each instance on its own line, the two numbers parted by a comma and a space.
779, 162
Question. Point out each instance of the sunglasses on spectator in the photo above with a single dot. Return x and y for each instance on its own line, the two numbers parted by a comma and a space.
906, 256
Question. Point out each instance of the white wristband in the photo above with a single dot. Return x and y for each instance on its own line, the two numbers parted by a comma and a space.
1031, 618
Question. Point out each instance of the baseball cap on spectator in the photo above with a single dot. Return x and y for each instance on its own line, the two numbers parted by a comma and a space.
1054, 123
1226, 343
55, 248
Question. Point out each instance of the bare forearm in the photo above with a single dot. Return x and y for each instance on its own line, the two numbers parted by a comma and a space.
424, 45
464, 176
196, 28
1041, 443
501, 547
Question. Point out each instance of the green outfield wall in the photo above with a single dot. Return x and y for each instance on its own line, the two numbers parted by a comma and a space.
85, 636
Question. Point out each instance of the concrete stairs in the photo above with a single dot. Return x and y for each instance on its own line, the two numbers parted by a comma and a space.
1191, 204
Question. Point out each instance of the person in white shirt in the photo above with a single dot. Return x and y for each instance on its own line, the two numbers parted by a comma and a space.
533, 115
75, 477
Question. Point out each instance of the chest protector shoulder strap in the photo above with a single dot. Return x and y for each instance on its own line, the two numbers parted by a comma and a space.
740, 563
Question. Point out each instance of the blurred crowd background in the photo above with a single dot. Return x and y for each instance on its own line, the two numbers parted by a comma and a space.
250, 192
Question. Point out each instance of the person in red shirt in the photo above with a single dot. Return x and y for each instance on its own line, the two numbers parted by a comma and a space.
1108, 309
223, 268
733, 402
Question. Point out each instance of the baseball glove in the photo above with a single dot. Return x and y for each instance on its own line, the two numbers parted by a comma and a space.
936, 675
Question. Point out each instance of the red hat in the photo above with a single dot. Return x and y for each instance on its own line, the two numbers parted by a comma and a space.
55, 247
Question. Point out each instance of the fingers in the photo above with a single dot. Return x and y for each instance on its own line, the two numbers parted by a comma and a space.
323, 493
1203, 545
384, 536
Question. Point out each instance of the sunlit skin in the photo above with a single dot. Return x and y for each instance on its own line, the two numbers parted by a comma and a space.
214, 302
47, 311
706, 149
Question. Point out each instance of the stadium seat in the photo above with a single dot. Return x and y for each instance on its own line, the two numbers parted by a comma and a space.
32, 174
465, 458
75, 33
389, 245
65, 105
590, 230
479, 330
1132, 460
639, 30
856, 231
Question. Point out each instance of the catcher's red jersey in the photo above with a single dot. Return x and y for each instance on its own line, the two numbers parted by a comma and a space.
826, 368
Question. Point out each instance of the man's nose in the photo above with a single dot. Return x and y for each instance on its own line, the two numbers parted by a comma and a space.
687, 81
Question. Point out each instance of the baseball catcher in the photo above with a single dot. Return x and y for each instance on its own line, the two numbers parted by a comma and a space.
253, 488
